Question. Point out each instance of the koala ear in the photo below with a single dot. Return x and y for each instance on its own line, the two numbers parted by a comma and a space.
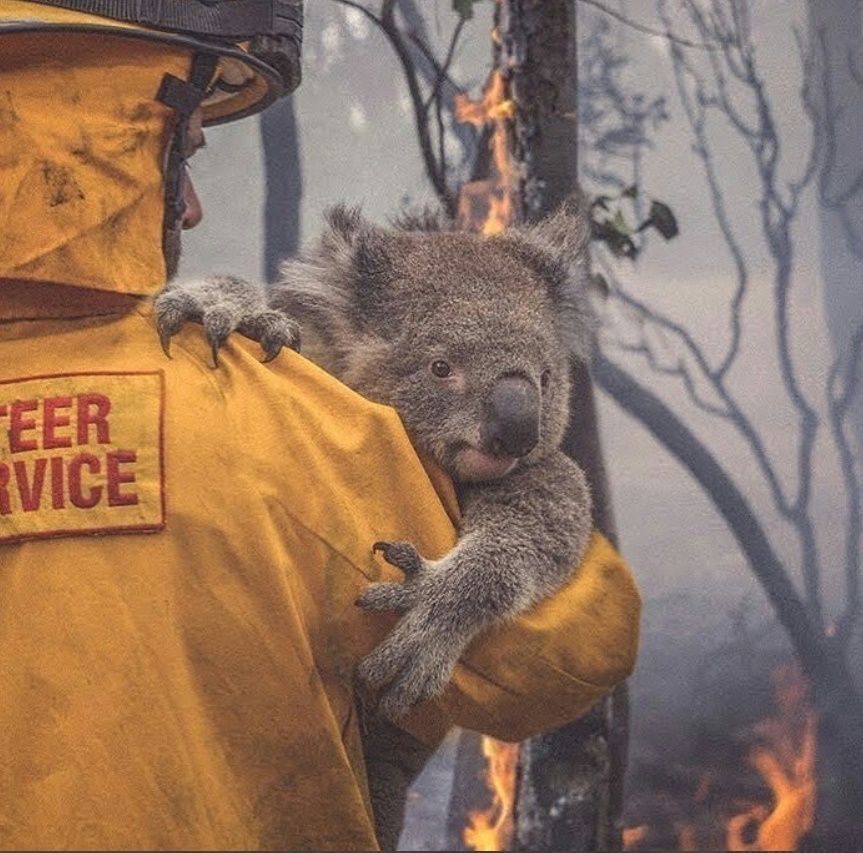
557, 249
341, 279
354, 246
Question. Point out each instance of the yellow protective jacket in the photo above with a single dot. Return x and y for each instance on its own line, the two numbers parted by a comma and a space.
180, 551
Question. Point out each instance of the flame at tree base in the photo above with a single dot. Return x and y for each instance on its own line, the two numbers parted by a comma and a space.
786, 762
492, 828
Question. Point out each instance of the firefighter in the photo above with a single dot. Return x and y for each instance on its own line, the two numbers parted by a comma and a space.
181, 547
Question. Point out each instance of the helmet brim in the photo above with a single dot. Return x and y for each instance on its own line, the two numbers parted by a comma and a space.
261, 83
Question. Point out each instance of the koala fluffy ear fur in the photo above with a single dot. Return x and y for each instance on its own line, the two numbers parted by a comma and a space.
331, 285
557, 249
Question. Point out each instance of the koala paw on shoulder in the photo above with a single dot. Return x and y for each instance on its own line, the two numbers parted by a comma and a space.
225, 304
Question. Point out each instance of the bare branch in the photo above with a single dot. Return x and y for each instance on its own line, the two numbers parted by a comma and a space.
796, 188
435, 98
694, 108
731, 503
443, 89
643, 28
825, 146
737, 59
716, 380
385, 21
844, 386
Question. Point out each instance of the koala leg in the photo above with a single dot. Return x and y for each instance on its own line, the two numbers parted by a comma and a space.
521, 537
393, 759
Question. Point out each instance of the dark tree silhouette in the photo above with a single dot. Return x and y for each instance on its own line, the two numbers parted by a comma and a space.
284, 185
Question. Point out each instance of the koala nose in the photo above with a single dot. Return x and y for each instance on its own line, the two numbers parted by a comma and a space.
512, 424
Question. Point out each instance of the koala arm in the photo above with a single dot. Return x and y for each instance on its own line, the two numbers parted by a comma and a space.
224, 304
521, 538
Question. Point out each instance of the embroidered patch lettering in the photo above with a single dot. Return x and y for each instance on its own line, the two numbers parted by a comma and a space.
81, 454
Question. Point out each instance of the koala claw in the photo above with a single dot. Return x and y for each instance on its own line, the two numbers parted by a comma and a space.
168, 322
402, 555
165, 341
275, 336
270, 354
173, 309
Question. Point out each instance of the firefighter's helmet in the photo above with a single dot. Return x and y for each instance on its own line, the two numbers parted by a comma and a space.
96, 101
252, 46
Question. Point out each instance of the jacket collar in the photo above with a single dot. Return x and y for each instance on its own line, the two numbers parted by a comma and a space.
27, 300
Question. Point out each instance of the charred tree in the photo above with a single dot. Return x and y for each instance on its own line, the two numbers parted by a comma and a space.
570, 791
283, 183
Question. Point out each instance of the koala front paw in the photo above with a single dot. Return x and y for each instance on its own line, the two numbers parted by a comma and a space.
404, 671
224, 304
392, 595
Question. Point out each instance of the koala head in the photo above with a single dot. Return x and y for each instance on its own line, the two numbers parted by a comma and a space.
470, 338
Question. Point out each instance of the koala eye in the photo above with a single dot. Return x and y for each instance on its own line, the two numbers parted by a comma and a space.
440, 369
545, 379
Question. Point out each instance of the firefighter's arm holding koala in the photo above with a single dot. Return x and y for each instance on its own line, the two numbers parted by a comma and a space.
470, 341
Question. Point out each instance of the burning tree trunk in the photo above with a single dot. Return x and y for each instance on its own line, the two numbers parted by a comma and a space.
569, 789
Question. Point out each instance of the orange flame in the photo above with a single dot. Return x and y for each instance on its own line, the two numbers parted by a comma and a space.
486, 205
786, 762
785, 759
633, 835
492, 828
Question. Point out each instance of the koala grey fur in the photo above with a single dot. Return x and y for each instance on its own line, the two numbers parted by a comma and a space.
471, 340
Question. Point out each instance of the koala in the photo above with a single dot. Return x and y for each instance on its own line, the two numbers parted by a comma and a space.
471, 339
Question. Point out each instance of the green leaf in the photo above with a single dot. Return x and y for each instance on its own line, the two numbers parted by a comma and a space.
620, 245
663, 220
464, 8
620, 224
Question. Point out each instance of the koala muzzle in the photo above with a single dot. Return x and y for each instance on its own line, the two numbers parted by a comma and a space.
512, 423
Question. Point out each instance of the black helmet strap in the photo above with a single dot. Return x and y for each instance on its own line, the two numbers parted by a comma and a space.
184, 97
